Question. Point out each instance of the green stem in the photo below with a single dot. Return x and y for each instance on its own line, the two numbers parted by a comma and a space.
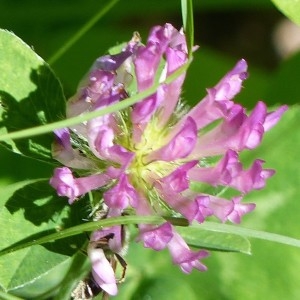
188, 24
126, 220
88, 116
86, 27
90, 226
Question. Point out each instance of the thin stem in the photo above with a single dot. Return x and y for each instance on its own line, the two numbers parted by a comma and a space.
86, 27
188, 24
91, 115
251, 233
89, 226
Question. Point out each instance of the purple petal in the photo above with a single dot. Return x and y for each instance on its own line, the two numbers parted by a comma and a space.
218, 100
156, 238
239, 210
209, 109
167, 99
161, 40
143, 207
116, 243
183, 256
98, 83
62, 136
191, 209
178, 180
237, 132
121, 195
176, 52
221, 174
252, 130
273, 117
113, 62
252, 179
102, 270
101, 134
63, 152
144, 110
176, 56
180, 146
147, 57
231, 83
229, 172
221, 208
115, 94
230, 210
202, 208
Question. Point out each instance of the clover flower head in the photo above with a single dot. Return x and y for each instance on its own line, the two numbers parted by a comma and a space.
158, 157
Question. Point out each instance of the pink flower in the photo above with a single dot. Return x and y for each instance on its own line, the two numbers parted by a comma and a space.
68, 186
184, 257
148, 158
156, 238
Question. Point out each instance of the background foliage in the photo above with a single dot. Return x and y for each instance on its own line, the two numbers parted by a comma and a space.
226, 30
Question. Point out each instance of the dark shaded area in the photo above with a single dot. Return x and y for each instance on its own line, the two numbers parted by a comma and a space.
223, 25
16, 167
18, 116
235, 28
67, 246
240, 33
41, 206
39, 202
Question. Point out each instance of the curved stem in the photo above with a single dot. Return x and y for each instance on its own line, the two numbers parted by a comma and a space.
86, 27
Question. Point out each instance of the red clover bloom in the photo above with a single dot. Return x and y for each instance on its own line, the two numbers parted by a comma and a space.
156, 157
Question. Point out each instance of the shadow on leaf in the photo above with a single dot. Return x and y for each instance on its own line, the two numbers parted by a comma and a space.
43, 105
39, 202
41, 206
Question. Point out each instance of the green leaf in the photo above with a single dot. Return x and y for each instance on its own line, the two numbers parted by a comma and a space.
79, 268
291, 8
30, 95
163, 287
284, 84
251, 233
200, 237
44, 285
6, 296
30, 209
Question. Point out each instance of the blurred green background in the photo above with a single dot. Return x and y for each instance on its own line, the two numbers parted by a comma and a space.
226, 31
